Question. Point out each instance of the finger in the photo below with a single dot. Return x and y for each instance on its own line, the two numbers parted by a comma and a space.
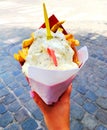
67, 93
38, 100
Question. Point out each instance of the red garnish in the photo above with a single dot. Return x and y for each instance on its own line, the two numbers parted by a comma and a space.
51, 53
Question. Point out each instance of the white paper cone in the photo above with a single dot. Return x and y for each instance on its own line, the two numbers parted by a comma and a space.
51, 84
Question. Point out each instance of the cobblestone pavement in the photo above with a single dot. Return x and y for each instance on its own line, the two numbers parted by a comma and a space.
89, 96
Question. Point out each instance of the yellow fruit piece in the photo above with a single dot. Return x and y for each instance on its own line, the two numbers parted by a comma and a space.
75, 56
33, 35
16, 56
77, 43
19, 58
69, 36
60, 29
23, 53
27, 42
73, 42
56, 26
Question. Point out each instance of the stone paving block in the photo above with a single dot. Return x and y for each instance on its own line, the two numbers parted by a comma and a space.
2, 51
74, 92
81, 89
43, 125
5, 119
89, 122
16, 72
25, 83
9, 99
79, 99
102, 116
76, 125
101, 92
102, 82
7, 77
2, 85
13, 48
3, 69
77, 112
21, 115
40, 129
1, 128
14, 85
90, 107
85, 128
3, 92
25, 97
28, 88
102, 102
20, 77
91, 95
31, 105
29, 124
15, 64
14, 106
13, 127
101, 127
19, 91
37, 114
2, 109
5, 62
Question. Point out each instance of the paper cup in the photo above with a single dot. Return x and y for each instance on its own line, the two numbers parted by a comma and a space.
51, 84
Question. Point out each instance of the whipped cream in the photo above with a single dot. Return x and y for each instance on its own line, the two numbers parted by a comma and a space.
39, 57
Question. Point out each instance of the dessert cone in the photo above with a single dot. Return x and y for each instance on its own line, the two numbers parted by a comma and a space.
51, 84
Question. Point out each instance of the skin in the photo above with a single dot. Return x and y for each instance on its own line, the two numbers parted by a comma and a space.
57, 115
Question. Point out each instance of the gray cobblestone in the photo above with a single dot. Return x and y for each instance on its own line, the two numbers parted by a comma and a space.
82, 89
13, 127
76, 125
25, 97
102, 116
14, 85
21, 115
19, 91
30, 105
5, 119
1, 85
77, 115
90, 107
4, 92
29, 124
14, 106
101, 92
101, 127
2, 109
89, 121
9, 99
91, 95
102, 102
37, 114
79, 99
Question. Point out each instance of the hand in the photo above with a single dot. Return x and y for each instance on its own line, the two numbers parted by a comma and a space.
57, 115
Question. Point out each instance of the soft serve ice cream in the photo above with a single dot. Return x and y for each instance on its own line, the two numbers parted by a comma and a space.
38, 52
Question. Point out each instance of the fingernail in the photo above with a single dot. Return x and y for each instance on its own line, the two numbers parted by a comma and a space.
32, 94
